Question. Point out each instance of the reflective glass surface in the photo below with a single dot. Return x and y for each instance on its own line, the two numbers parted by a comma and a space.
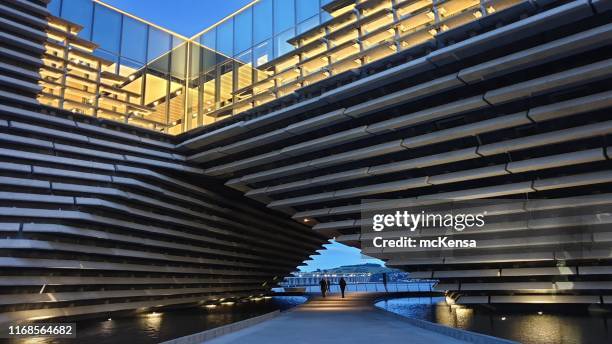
263, 53
107, 28
243, 30
134, 40
281, 46
306, 9
81, 12
225, 40
54, 7
284, 15
209, 39
262, 14
159, 44
308, 24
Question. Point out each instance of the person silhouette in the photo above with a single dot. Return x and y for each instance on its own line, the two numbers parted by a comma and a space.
323, 285
342, 284
384, 280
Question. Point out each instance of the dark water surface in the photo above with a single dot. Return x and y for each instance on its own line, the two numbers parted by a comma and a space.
555, 325
161, 326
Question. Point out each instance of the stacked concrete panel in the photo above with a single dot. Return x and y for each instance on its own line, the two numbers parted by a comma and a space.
97, 216
517, 106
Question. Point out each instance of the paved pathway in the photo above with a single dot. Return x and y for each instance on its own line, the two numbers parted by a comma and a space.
334, 320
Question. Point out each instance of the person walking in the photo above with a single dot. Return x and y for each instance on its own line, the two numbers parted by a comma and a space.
342, 284
384, 280
323, 285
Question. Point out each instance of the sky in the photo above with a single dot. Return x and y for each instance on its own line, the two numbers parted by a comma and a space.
336, 255
189, 17
185, 17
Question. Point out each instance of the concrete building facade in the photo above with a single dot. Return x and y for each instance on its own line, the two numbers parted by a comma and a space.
99, 216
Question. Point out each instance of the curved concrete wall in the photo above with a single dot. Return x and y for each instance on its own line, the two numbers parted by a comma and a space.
97, 217
514, 107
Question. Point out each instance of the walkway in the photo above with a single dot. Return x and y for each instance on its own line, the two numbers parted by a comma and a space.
335, 320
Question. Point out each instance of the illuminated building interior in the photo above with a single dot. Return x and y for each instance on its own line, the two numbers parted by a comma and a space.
139, 73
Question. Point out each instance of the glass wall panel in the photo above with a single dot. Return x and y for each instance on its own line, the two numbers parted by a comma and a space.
262, 14
109, 57
128, 67
243, 30
281, 46
308, 24
306, 9
284, 15
107, 28
226, 80
209, 38
225, 40
178, 62
54, 7
176, 41
80, 12
245, 70
159, 44
134, 40
209, 74
262, 53
155, 92
193, 86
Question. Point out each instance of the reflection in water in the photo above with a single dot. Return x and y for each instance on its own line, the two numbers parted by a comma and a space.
529, 324
155, 327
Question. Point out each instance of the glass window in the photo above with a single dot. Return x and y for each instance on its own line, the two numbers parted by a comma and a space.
209, 60
209, 38
54, 7
308, 24
281, 46
107, 28
109, 57
80, 12
128, 67
262, 16
262, 53
306, 9
224, 38
179, 60
134, 40
284, 15
159, 43
176, 41
245, 70
156, 89
325, 16
243, 30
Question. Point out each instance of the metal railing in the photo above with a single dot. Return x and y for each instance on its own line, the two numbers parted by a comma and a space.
406, 286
